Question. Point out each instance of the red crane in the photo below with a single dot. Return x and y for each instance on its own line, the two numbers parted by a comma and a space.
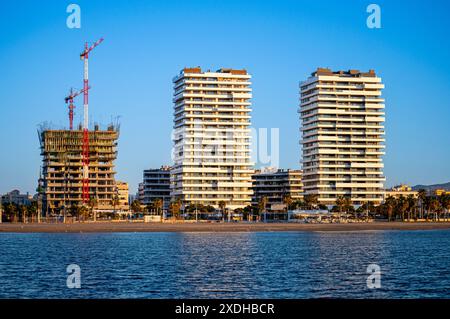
69, 100
85, 56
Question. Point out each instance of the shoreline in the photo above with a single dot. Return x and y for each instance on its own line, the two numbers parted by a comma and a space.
115, 227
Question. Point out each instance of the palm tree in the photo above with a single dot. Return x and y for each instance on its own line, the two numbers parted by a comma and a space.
434, 207
340, 203
442, 210
348, 204
136, 206
402, 207
8, 210
175, 208
298, 204
222, 205
390, 205
422, 195
412, 203
445, 203
84, 212
287, 200
367, 208
348, 207
172, 210
16, 211
262, 206
76, 210
33, 209
115, 201
246, 211
426, 205
158, 205
23, 209
92, 203
311, 200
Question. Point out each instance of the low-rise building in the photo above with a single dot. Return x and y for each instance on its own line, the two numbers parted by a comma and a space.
275, 185
14, 197
156, 185
400, 190
441, 191
122, 193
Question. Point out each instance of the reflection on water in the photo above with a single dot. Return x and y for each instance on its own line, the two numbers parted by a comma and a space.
226, 265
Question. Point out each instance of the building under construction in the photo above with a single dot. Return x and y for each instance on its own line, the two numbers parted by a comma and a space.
62, 170
78, 165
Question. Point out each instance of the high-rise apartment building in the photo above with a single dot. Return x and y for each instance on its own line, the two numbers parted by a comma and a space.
342, 116
212, 138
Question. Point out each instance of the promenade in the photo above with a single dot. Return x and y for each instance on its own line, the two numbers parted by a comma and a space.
107, 227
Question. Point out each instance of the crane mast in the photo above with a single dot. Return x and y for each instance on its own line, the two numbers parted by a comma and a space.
85, 57
69, 100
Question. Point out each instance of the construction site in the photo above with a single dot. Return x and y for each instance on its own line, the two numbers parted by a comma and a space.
78, 164
62, 168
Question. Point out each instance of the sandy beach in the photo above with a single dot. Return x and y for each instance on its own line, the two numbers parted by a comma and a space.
107, 227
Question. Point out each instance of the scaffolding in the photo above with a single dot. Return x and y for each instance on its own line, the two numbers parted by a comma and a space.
62, 167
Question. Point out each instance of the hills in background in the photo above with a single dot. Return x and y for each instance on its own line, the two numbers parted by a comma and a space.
432, 187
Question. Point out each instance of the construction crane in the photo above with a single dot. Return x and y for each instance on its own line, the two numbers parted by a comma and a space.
85, 57
69, 100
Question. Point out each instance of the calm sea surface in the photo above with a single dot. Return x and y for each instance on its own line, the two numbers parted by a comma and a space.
226, 265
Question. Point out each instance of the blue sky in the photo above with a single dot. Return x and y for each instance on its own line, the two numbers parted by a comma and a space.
279, 42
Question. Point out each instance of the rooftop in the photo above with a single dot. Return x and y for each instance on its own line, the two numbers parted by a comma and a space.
163, 168
273, 171
348, 73
221, 70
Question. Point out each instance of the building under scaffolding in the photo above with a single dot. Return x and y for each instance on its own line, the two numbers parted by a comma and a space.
62, 170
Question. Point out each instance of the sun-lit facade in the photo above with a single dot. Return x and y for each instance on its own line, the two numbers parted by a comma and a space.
342, 116
211, 138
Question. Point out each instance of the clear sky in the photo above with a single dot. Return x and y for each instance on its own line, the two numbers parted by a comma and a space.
279, 42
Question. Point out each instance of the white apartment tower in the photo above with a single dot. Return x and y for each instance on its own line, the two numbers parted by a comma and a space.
342, 115
211, 153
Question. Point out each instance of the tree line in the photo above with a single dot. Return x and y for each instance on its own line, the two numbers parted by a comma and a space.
422, 206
